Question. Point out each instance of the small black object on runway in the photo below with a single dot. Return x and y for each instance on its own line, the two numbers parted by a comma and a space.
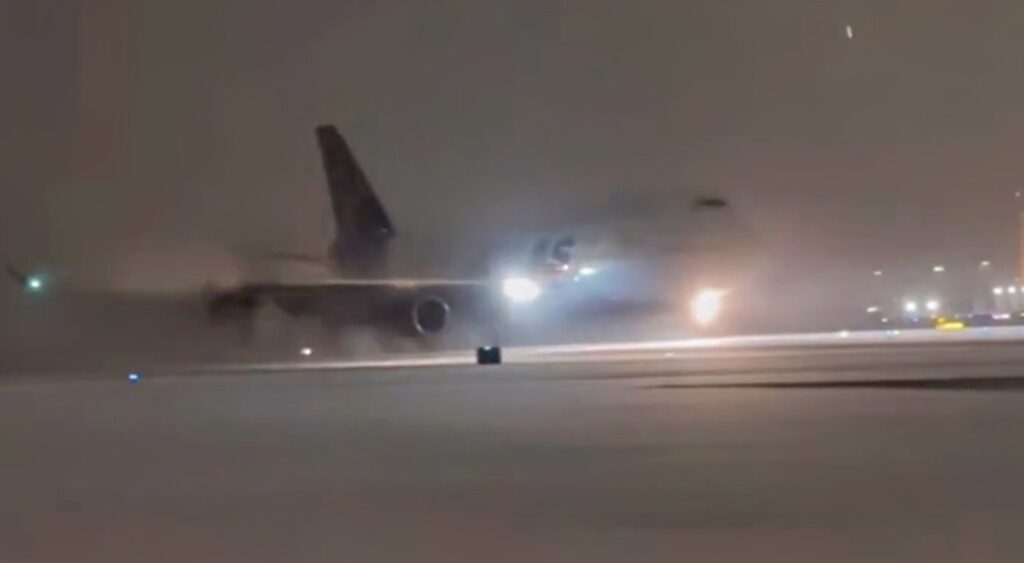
488, 355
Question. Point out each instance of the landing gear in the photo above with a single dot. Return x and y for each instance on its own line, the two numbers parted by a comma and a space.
488, 355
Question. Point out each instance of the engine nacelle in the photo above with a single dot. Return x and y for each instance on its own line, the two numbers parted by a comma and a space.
430, 315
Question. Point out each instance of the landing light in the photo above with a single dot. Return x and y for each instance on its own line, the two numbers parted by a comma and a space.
520, 290
706, 306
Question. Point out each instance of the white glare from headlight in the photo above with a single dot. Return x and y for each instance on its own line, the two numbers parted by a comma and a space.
520, 290
706, 306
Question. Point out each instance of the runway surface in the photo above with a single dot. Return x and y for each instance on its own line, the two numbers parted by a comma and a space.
693, 350
830, 447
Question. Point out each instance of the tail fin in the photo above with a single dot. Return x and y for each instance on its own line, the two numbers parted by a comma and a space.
359, 216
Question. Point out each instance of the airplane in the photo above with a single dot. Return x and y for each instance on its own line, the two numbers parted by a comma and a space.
630, 253
599, 260
28, 282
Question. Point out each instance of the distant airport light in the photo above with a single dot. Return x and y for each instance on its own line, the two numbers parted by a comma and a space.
1011, 290
844, 334
849, 32
706, 306
985, 264
932, 305
34, 283
878, 272
520, 290
134, 377
910, 306
1001, 316
873, 309
306, 351
588, 271
997, 290
938, 269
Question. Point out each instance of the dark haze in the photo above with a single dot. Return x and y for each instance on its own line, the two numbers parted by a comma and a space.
137, 132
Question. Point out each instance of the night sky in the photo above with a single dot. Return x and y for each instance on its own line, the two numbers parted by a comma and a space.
134, 127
